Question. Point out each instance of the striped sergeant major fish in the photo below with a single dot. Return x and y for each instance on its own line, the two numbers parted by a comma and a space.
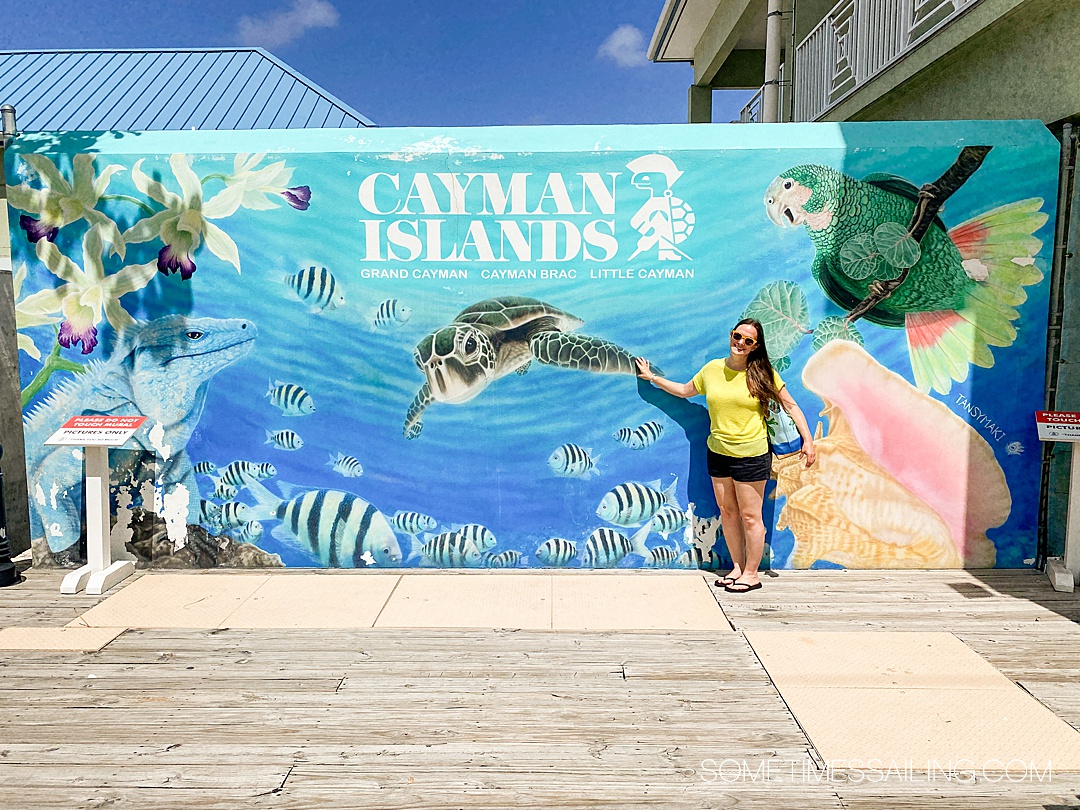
348, 466
571, 461
507, 559
316, 286
388, 314
480, 536
205, 468
340, 529
234, 473
290, 398
640, 437
413, 523
209, 514
695, 557
284, 440
448, 550
661, 557
556, 552
233, 515
605, 548
223, 491
669, 519
251, 532
632, 504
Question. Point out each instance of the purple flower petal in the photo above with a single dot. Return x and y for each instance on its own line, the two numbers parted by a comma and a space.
35, 230
169, 261
299, 197
69, 336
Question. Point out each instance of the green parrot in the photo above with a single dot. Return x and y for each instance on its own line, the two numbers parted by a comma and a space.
960, 296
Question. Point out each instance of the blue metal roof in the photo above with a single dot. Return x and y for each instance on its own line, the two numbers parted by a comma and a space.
176, 88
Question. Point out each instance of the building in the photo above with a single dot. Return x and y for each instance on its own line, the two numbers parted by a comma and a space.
135, 90
161, 89
881, 60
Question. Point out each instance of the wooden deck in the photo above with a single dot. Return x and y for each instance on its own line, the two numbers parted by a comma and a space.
468, 719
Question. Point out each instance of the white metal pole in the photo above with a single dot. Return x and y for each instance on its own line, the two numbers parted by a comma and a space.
100, 572
774, 37
791, 70
96, 499
1072, 521
98, 526
98, 530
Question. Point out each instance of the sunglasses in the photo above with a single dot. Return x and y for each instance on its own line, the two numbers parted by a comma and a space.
739, 337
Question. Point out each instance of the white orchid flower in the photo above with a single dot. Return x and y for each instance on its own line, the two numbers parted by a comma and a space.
24, 319
262, 185
86, 294
58, 203
185, 222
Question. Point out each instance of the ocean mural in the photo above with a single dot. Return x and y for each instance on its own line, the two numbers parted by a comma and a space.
416, 348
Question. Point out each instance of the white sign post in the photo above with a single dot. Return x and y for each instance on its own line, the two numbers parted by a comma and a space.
1064, 426
96, 434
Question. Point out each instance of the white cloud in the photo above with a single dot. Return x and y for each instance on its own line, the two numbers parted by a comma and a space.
625, 47
282, 27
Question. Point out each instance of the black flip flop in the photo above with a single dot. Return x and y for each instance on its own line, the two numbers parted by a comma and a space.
742, 587
723, 582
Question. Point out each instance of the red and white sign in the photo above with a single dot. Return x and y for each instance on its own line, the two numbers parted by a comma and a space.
97, 431
1058, 426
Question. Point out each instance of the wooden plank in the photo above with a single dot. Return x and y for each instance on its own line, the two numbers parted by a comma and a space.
986, 799
109, 752
636, 797
179, 776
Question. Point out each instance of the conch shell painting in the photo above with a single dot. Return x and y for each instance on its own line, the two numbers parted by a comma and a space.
878, 496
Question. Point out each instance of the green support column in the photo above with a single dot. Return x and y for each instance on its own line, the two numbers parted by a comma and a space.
700, 105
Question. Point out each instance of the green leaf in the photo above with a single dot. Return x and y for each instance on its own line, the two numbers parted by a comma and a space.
784, 314
60, 364
896, 245
54, 362
860, 258
835, 328
133, 200
781, 363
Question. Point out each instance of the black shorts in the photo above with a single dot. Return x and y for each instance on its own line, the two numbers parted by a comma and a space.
744, 470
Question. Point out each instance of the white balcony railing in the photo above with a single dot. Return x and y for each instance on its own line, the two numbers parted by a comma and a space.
751, 113
858, 39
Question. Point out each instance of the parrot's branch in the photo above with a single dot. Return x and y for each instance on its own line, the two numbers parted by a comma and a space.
932, 197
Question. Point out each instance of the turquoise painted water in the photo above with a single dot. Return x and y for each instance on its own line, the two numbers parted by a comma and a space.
485, 461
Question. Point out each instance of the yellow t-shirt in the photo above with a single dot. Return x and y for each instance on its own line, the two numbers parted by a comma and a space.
736, 419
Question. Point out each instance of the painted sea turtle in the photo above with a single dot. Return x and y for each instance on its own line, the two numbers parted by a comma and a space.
495, 337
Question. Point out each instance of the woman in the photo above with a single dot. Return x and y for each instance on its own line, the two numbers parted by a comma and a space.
738, 390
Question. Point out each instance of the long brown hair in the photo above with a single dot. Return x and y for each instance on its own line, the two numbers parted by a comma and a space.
759, 371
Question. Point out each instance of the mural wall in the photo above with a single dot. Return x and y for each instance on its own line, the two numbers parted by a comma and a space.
415, 347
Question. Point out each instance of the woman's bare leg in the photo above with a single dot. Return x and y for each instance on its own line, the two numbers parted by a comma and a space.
724, 490
750, 496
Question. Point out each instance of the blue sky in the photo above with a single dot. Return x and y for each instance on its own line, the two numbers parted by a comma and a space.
413, 62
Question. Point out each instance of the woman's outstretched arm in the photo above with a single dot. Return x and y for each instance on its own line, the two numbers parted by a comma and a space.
684, 390
808, 451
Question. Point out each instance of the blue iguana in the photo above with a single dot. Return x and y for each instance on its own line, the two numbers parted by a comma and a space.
160, 369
